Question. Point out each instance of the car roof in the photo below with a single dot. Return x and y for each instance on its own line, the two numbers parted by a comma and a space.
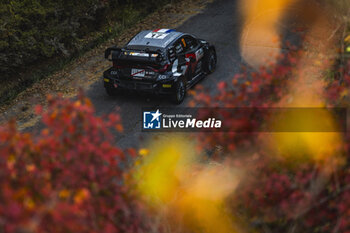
160, 38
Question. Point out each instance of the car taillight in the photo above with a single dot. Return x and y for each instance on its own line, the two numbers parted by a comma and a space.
115, 65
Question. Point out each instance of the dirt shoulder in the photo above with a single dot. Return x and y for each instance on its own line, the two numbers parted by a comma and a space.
88, 69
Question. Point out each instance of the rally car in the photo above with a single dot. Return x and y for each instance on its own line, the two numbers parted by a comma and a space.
161, 61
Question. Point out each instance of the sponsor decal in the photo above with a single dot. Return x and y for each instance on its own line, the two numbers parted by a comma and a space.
183, 42
138, 72
159, 34
199, 54
156, 35
164, 30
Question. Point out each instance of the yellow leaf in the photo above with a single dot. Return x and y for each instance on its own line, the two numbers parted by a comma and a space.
81, 196
45, 132
143, 152
344, 93
137, 163
11, 158
119, 128
347, 39
318, 62
77, 103
191, 92
53, 115
30, 167
29, 203
11, 161
64, 193
20, 194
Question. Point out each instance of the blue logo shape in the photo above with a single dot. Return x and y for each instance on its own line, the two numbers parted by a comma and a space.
152, 120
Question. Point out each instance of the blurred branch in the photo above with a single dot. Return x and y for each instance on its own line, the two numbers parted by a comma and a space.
325, 200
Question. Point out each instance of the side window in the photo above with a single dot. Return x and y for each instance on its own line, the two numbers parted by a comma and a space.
184, 44
179, 47
191, 42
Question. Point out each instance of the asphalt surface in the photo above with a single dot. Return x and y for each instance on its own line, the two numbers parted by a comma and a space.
219, 24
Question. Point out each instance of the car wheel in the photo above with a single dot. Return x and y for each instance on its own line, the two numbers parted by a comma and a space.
180, 92
111, 91
210, 64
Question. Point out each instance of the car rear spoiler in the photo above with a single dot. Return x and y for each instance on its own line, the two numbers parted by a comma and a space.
115, 51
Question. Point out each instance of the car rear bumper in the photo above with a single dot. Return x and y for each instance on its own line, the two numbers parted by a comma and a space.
160, 87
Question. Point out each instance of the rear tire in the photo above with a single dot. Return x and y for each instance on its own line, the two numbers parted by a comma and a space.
111, 91
210, 62
180, 92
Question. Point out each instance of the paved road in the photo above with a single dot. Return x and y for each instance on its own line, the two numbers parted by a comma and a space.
220, 24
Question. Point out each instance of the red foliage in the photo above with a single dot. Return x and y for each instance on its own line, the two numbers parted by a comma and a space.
337, 92
277, 197
301, 197
247, 89
69, 178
